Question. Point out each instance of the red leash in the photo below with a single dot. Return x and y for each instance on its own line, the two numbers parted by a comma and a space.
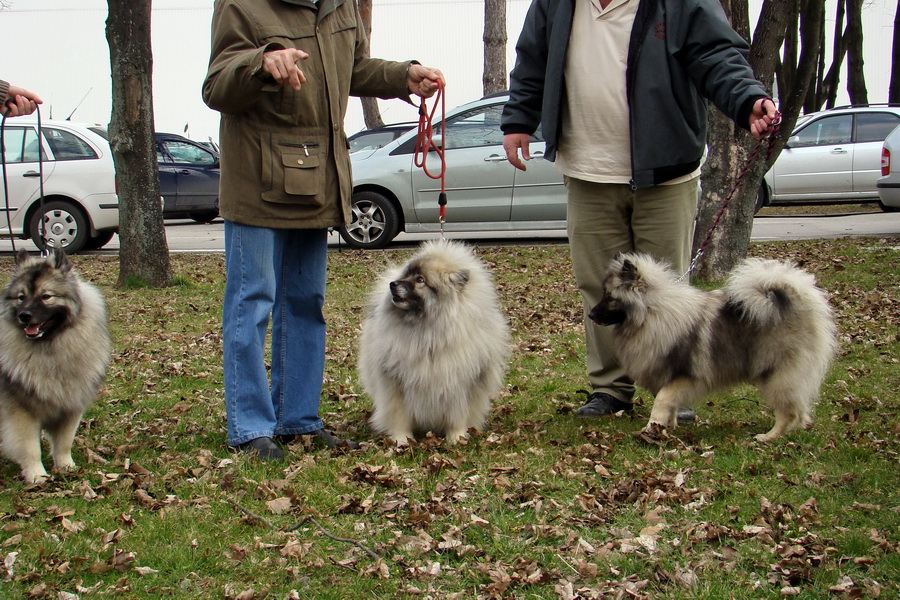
776, 125
425, 144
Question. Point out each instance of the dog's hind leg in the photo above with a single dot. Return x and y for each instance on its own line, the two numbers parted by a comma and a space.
21, 436
61, 436
792, 408
676, 394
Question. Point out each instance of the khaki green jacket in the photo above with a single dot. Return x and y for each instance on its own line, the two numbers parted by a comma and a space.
284, 153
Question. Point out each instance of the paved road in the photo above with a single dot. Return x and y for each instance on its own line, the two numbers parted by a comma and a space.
187, 236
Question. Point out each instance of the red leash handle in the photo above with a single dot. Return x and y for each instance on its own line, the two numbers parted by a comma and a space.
425, 143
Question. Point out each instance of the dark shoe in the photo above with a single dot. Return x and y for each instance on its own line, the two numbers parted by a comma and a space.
263, 447
601, 404
333, 441
685, 416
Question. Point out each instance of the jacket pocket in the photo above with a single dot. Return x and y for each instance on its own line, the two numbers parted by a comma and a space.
295, 176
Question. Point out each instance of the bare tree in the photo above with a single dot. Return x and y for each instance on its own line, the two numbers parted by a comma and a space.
494, 78
144, 253
730, 146
856, 80
371, 112
894, 92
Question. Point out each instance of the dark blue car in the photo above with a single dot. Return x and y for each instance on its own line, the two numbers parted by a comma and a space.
188, 178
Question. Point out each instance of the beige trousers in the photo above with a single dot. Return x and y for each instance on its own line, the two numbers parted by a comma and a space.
607, 218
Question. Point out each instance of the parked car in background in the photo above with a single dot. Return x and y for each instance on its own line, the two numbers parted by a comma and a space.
484, 192
831, 156
80, 205
889, 183
370, 139
188, 178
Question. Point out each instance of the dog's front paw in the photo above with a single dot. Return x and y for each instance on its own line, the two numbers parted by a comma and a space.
64, 463
401, 439
35, 474
454, 437
654, 433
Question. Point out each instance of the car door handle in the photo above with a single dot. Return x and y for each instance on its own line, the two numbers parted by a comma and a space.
838, 151
495, 158
31, 174
537, 154
184, 172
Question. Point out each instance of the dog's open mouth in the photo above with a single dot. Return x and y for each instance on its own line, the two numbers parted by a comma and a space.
399, 300
34, 331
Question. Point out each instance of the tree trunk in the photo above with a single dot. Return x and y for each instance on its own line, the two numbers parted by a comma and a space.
495, 77
856, 79
144, 253
829, 84
371, 112
894, 91
726, 168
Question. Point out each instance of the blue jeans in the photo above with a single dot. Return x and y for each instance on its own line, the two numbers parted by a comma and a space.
277, 274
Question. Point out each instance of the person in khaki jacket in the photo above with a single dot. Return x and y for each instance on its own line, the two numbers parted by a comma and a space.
281, 73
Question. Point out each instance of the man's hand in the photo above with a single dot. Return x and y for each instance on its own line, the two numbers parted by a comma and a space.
282, 66
511, 143
423, 81
20, 102
764, 113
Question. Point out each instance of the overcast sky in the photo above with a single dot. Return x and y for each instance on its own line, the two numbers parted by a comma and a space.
69, 66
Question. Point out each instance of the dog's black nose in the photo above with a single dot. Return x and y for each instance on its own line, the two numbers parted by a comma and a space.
394, 285
25, 317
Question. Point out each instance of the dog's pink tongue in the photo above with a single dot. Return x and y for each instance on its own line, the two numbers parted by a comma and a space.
32, 330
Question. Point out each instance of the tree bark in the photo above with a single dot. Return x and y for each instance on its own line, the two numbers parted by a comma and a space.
495, 77
894, 90
371, 112
144, 252
856, 79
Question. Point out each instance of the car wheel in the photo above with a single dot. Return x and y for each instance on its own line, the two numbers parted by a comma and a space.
65, 227
204, 216
374, 221
762, 197
101, 239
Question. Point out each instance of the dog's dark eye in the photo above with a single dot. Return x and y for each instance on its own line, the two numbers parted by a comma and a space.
46, 296
420, 279
21, 297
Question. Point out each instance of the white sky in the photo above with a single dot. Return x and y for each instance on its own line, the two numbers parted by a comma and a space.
58, 49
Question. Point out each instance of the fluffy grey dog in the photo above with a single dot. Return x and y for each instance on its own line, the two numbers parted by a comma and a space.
770, 326
435, 345
54, 350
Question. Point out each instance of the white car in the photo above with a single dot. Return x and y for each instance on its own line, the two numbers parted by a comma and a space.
831, 156
80, 204
889, 183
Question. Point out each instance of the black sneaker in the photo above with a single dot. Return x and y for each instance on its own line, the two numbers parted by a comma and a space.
601, 404
263, 447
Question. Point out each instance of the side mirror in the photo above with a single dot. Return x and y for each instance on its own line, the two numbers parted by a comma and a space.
438, 140
794, 140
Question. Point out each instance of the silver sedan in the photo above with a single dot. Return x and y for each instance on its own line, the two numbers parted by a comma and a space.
484, 192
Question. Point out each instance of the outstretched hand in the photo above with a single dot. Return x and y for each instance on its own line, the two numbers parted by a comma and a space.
762, 117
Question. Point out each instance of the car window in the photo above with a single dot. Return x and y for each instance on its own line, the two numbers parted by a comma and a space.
68, 146
21, 145
373, 140
185, 153
875, 126
826, 131
477, 127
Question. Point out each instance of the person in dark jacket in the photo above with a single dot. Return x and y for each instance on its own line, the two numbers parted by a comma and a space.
281, 73
619, 88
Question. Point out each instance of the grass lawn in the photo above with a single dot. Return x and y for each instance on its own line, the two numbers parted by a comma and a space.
540, 505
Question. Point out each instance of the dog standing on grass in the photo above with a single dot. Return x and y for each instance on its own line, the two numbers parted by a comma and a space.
54, 350
435, 345
770, 326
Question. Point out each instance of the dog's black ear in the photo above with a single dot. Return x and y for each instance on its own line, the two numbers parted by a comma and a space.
459, 279
629, 271
61, 261
21, 256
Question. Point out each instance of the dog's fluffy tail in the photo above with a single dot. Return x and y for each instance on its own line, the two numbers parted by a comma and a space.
770, 292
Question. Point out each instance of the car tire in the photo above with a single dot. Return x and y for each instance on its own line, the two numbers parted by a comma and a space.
374, 221
204, 216
65, 224
762, 197
98, 241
